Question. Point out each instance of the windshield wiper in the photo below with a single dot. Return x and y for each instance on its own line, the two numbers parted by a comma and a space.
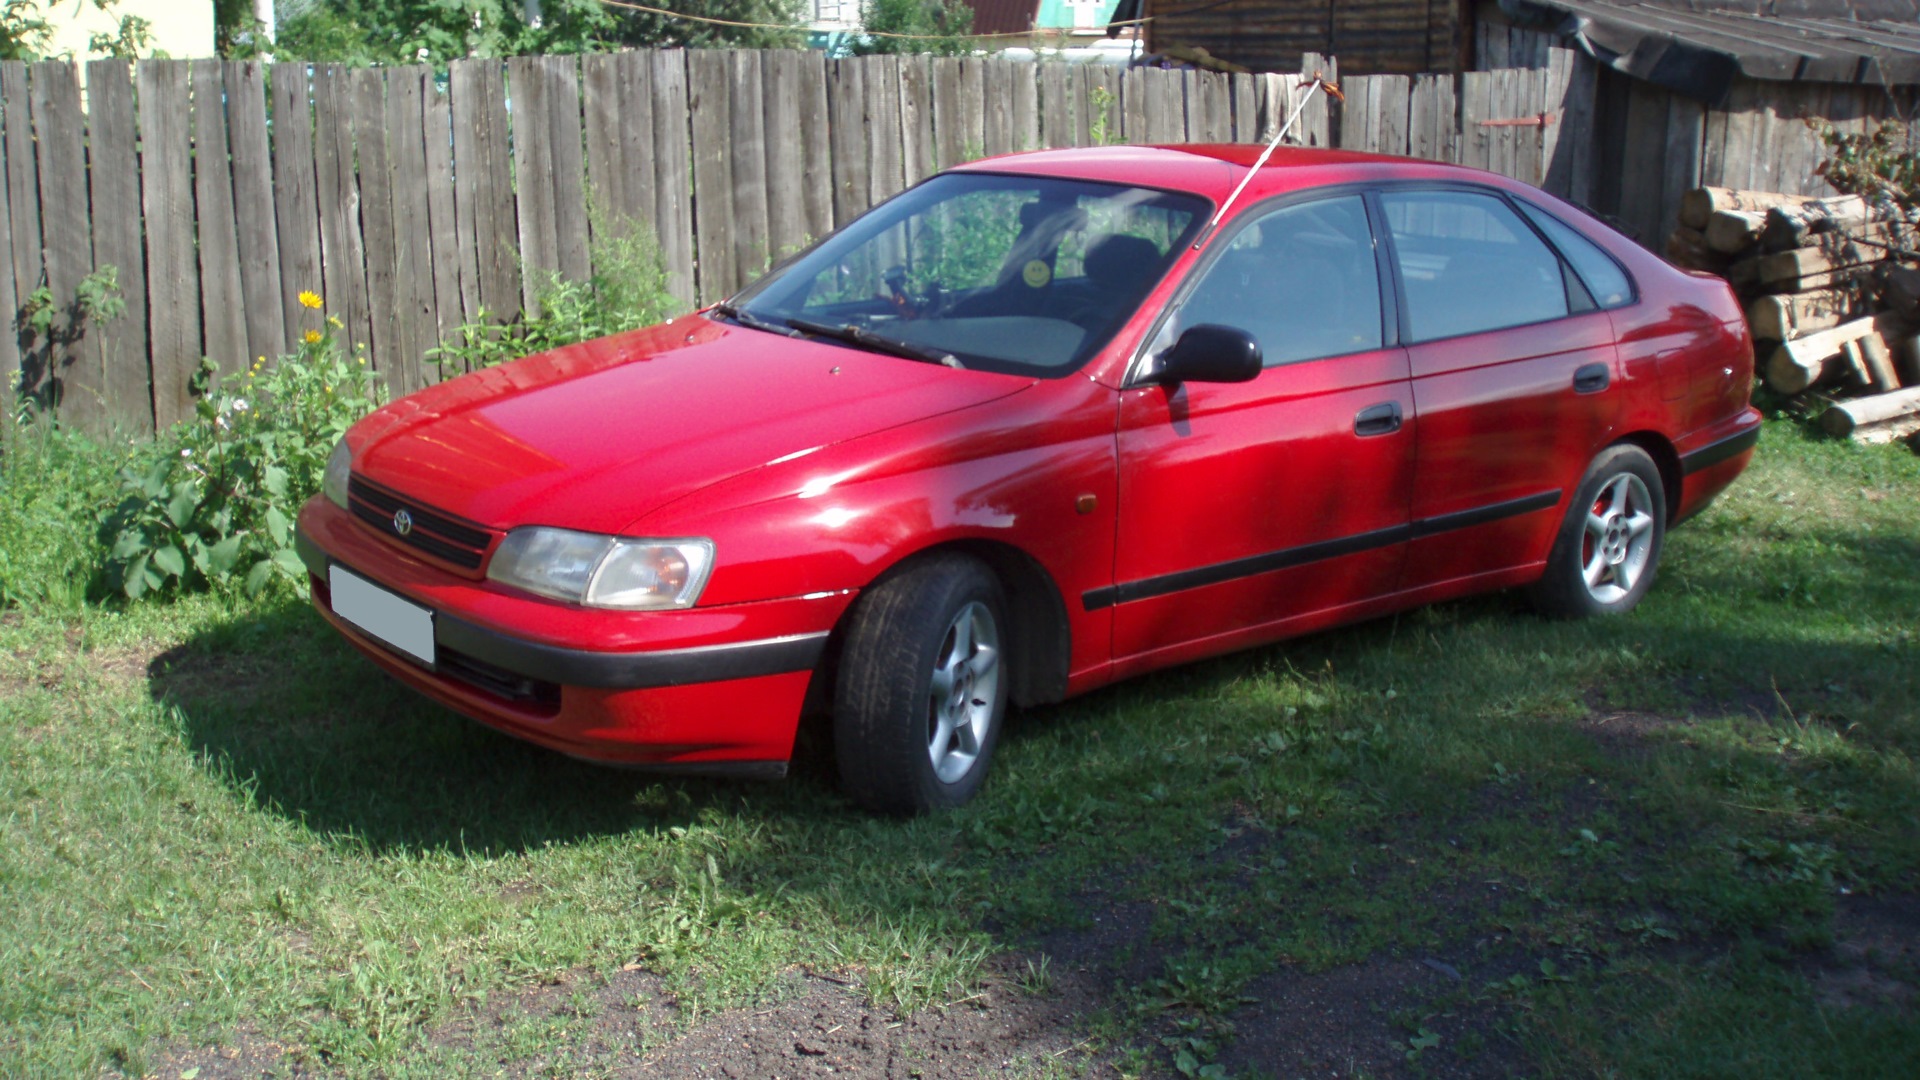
752, 322
867, 339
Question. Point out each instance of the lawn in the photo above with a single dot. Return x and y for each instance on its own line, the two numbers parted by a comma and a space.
1465, 841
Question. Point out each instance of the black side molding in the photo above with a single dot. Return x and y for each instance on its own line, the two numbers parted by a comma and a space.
1716, 452
1199, 576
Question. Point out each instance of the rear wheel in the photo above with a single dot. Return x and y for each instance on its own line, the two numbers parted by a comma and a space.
1608, 549
922, 689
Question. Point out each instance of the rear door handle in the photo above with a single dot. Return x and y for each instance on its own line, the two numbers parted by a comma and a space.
1591, 379
1382, 419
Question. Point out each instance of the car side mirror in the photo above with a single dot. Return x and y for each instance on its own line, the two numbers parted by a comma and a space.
1211, 353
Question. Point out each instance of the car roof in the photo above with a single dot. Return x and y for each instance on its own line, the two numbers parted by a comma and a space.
1212, 169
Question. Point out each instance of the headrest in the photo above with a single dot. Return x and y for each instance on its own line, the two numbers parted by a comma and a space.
1116, 262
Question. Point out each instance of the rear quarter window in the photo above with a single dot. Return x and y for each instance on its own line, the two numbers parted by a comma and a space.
1605, 281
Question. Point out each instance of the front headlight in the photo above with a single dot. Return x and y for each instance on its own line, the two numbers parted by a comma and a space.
339, 467
604, 571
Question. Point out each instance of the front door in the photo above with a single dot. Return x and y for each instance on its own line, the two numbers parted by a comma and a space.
1246, 510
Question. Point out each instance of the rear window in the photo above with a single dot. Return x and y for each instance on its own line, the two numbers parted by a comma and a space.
1470, 264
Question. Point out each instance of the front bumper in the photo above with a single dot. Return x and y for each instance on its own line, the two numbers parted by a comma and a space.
714, 689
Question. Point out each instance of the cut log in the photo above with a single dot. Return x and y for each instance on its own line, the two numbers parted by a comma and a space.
1800, 269
1734, 231
1853, 366
1778, 318
1687, 249
1879, 363
1697, 206
1900, 292
1786, 227
1906, 360
1800, 363
1881, 418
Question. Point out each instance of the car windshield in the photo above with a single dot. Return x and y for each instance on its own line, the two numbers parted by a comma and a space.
1020, 274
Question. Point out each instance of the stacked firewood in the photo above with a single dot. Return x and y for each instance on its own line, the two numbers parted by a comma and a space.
1832, 295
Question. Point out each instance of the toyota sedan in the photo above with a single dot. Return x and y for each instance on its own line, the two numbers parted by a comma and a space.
1041, 423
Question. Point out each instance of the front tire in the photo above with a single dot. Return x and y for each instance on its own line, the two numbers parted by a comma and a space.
1608, 549
922, 689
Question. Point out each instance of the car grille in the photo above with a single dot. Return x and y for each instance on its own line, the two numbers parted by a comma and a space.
453, 542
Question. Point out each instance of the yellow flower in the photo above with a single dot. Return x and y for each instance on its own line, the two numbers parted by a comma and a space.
337, 324
313, 337
310, 299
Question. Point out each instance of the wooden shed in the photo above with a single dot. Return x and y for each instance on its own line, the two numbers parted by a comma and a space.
1401, 37
1714, 92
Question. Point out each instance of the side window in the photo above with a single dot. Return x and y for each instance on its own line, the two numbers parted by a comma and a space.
1302, 280
1605, 281
1470, 264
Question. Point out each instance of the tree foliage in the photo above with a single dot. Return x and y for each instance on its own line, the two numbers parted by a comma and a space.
435, 31
943, 27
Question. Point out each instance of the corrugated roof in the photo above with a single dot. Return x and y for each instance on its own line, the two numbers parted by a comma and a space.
1698, 46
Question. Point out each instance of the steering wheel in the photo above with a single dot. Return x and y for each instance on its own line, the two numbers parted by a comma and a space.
907, 305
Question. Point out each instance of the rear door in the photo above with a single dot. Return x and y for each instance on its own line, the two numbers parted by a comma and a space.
1514, 373
1246, 508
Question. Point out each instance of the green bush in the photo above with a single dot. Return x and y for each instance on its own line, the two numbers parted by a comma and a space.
55, 484
628, 290
212, 501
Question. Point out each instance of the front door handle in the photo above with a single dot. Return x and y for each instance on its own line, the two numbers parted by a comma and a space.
1382, 419
1591, 379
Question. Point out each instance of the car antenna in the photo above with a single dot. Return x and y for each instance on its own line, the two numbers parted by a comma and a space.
1319, 82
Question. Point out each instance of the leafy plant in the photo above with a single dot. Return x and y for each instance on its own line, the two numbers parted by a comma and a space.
1880, 164
54, 485
942, 27
1101, 128
213, 499
24, 35
628, 290
45, 327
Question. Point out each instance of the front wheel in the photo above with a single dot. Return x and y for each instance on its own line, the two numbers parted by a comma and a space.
1608, 549
922, 689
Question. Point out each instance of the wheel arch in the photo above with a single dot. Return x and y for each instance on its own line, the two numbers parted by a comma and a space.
1666, 459
1042, 640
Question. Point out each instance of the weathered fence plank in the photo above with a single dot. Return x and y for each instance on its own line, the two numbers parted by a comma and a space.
296, 209
71, 353
368, 87
748, 148
707, 103
1056, 107
253, 210
602, 104
562, 76
949, 132
23, 195
786, 163
436, 115
483, 166
1024, 108
533, 170
886, 149
816, 142
672, 169
849, 133
113, 179
916, 118
166, 195
416, 319
222, 301
9, 342
635, 132
343, 261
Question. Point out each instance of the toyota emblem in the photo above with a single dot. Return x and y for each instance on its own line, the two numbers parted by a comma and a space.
402, 522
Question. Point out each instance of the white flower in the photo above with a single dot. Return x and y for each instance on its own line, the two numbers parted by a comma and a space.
239, 404
188, 452
421, 56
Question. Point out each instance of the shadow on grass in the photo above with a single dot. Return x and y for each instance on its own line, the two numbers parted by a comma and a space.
320, 735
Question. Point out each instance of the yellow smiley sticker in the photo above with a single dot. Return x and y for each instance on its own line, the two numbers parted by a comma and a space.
1036, 274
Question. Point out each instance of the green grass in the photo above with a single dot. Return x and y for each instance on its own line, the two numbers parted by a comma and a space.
1634, 835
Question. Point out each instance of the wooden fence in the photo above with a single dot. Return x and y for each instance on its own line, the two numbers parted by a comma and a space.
414, 201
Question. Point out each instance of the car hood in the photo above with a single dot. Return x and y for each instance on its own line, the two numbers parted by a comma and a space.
596, 435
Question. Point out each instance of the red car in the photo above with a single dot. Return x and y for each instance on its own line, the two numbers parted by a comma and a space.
1035, 425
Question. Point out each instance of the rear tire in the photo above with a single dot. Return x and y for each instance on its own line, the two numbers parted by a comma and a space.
922, 689
1608, 549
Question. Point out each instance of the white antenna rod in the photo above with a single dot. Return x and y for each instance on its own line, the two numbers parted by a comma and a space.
1218, 215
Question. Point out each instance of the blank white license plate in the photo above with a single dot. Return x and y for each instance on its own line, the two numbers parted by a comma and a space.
403, 624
